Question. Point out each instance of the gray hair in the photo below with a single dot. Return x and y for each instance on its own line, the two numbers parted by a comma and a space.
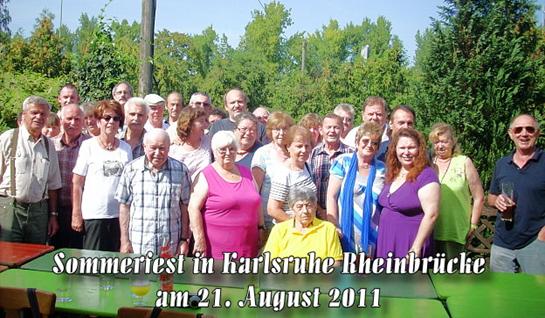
301, 194
138, 101
349, 108
262, 108
35, 100
245, 116
155, 133
63, 108
201, 94
222, 139
117, 85
88, 108
521, 115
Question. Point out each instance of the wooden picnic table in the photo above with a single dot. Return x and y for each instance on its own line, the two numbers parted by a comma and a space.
15, 254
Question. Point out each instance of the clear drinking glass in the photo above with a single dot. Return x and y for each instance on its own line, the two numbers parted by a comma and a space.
508, 190
106, 282
140, 287
63, 288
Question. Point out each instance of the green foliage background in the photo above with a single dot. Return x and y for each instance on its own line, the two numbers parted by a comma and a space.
476, 66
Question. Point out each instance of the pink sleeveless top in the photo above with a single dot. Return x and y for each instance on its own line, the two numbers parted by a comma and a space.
230, 214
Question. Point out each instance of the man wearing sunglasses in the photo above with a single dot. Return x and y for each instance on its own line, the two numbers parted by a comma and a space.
519, 241
200, 99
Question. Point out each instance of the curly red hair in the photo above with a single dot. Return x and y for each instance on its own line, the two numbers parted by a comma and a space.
393, 166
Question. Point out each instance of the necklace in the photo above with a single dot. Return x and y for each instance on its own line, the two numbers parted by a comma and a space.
107, 147
446, 170
364, 166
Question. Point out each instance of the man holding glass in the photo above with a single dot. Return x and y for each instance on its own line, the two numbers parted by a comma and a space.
517, 190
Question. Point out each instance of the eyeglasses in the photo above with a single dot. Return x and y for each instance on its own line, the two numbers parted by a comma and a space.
224, 150
107, 118
366, 142
280, 129
529, 129
244, 130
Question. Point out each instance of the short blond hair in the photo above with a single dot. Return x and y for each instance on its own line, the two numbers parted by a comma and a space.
441, 129
368, 128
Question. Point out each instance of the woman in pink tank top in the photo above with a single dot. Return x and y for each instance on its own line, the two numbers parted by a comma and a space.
225, 205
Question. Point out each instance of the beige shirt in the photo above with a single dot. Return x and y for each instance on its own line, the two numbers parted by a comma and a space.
35, 173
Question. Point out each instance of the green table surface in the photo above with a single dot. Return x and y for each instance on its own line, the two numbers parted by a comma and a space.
89, 299
391, 285
46, 263
518, 286
389, 308
495, 306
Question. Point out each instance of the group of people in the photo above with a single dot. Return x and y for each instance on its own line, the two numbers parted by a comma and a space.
119, 175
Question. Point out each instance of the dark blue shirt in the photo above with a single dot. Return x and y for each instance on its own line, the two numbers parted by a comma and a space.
529, 193
247, 160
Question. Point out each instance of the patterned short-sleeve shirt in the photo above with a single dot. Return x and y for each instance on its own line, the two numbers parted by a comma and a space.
154, 200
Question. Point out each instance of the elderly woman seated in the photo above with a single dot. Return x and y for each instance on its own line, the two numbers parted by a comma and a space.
304, 233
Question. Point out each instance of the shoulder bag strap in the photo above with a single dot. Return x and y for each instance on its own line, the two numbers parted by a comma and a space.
12, 156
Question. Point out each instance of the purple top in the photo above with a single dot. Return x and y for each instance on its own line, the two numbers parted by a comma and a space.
401, 216
231, 214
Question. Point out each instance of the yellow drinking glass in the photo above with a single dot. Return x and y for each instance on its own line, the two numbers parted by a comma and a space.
140, 287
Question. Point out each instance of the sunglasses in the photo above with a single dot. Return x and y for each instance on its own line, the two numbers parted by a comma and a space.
529, 129
367, 141
115, 118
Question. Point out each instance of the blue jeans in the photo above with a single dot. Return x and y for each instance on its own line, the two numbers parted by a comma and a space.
530, 258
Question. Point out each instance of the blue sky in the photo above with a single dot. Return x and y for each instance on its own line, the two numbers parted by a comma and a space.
231, 16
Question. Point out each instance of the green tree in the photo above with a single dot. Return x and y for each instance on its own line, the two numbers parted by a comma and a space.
46, 54
101, 67
264, 35
126, 39
16, 55
171, 64
84, 34
21, 86
5, 19
202, 50
482, 69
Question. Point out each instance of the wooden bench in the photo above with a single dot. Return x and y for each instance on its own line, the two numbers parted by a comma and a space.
480, 242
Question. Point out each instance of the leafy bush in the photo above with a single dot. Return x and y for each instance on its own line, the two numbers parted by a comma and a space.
20, 86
